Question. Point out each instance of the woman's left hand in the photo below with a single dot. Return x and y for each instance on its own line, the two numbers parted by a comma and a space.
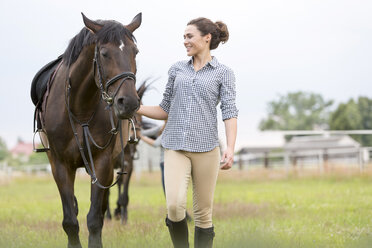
227, 160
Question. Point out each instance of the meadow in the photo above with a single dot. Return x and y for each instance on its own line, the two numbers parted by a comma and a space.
253, 208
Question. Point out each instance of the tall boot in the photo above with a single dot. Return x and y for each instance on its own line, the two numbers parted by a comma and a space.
179, 233
203, 237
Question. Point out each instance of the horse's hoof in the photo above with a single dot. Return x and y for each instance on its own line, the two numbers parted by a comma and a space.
74, 246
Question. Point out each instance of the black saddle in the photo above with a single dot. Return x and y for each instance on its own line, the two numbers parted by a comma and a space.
40, 81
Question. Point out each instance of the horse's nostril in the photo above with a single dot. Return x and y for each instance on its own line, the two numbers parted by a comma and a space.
121, 100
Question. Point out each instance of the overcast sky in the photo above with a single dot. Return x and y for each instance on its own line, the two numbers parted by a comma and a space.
275, 47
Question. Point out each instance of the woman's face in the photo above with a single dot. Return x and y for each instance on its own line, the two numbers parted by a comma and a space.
194, 42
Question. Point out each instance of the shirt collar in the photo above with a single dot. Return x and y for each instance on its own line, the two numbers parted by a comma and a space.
213, 62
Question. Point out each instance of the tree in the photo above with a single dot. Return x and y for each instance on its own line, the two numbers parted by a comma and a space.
297, 111
3, 150
346, 117
353, 116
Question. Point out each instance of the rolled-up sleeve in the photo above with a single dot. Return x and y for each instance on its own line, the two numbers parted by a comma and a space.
168, 93
228, 95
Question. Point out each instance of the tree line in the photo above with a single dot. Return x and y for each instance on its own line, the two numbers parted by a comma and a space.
310, 111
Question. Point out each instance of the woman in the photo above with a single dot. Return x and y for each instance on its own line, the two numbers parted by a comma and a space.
190, 138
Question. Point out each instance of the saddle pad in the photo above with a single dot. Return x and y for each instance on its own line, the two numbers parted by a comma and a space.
40, 81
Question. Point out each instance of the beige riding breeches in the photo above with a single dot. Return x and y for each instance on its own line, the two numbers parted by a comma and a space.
202, 168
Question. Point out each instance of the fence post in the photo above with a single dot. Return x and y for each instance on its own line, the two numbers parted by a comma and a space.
320, 161
360, 159
240, 162
266, 160
325, 160
286, 161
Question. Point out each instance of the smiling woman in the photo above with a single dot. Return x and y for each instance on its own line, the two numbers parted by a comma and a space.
190, 137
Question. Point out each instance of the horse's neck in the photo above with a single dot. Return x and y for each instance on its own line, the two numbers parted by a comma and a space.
84, 95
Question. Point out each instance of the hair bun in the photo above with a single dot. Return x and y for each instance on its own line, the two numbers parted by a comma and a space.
223, 31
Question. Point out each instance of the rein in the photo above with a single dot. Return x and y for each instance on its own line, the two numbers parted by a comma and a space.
87, 136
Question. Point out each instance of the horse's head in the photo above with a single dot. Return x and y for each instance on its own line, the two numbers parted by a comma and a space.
115, 64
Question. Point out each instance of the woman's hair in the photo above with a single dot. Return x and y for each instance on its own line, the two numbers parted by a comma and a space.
217, 29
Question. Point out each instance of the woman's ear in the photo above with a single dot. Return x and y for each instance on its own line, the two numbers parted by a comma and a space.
208, 38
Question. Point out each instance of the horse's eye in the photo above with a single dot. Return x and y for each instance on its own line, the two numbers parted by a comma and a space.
104, 53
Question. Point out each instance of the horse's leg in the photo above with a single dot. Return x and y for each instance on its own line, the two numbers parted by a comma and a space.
98, 205
64, 178
95, 216
118, 206
125, 195
107, 200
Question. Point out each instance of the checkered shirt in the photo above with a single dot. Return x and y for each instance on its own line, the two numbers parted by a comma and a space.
190, 99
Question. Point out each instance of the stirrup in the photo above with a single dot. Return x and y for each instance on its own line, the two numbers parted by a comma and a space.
130, 139
44, 149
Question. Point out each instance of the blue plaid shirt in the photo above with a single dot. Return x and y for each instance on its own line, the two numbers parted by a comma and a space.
190, 99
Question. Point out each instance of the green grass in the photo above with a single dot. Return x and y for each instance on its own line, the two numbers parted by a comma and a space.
252, 209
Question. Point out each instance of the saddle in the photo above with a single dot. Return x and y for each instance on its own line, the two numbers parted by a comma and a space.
41, 79
40, 86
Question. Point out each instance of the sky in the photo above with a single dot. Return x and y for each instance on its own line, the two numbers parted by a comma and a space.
275, 47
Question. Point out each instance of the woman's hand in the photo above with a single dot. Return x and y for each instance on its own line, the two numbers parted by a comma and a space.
227, 159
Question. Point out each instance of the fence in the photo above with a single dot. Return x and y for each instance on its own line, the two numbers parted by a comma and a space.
320, 158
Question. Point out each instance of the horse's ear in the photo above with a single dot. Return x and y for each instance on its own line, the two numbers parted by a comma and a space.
93, 26
136, 22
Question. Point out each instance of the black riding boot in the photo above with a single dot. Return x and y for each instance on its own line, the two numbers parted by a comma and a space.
203, 237
178, 232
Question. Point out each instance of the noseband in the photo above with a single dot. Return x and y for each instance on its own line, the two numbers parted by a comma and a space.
104, 88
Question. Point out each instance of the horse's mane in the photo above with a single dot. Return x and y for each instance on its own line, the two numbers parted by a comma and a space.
111, 32
140, 92
142, 89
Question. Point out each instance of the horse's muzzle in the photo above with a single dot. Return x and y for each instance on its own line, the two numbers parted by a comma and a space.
125, 107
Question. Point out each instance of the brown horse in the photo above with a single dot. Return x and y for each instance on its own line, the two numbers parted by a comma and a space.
92, 95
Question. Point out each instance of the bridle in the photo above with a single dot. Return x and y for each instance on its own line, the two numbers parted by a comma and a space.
104, 88
87, 136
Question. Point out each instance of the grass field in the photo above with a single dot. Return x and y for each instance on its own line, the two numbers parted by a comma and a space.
253, 208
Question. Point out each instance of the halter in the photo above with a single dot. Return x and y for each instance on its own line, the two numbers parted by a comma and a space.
87, 136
